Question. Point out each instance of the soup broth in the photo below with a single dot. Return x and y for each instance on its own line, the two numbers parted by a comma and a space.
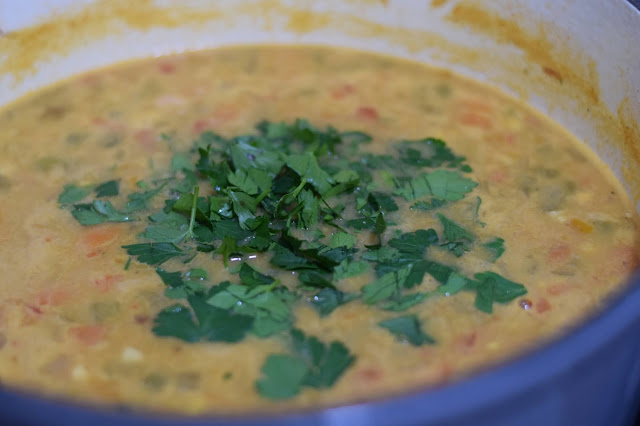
439, 227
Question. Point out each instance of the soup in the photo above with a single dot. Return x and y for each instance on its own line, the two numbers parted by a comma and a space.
257, 229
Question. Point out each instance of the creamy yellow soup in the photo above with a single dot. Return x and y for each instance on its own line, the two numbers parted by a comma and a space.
533, 231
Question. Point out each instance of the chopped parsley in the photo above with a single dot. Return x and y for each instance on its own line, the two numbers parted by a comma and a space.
491, 287
202, 322
179, 285
98, 212
154, 253
267, 305
456, 238
312, 364
407, 328
328, 299
447, 185
108, 189
495, 246
309, 205
72, 194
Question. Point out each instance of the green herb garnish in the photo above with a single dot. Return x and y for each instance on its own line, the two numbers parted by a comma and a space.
407, 328
313, 364
495, 247
306, 201
456, 238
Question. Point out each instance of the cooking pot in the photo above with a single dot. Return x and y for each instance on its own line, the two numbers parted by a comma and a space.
578, 62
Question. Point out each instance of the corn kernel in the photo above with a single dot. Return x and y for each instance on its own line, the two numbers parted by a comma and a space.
581, 226
79, 373
130, 354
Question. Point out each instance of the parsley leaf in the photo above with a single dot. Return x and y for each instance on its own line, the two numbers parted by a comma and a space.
165, 234
218, 325
433, 204
404, 302
216, 172
407, 329
286, 259
209, 323
108, 189
328, 299
228, 247
342, 239
447, 185
381, 225
315, 279
241, 180
326, 362
318, 257
381, 201
313, 363
454, 284
347, 269
491, 287
139, 200
416, 188
176, 321
229, 228
154, 253
457, 239
346, 176
453, 231
282, 376
385, 286
412, 245
362, 223
439, 271
181, 161
252, 278
98, 212
306, 166
244, 206
388, 255
495, 246
409, 253
271, 313
177, 287
168, 227
171, 279
310, 208
72, 194
430, 152
250, 153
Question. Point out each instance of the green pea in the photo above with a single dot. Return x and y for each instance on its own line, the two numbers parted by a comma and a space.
102, 311
155, 382
46, 164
